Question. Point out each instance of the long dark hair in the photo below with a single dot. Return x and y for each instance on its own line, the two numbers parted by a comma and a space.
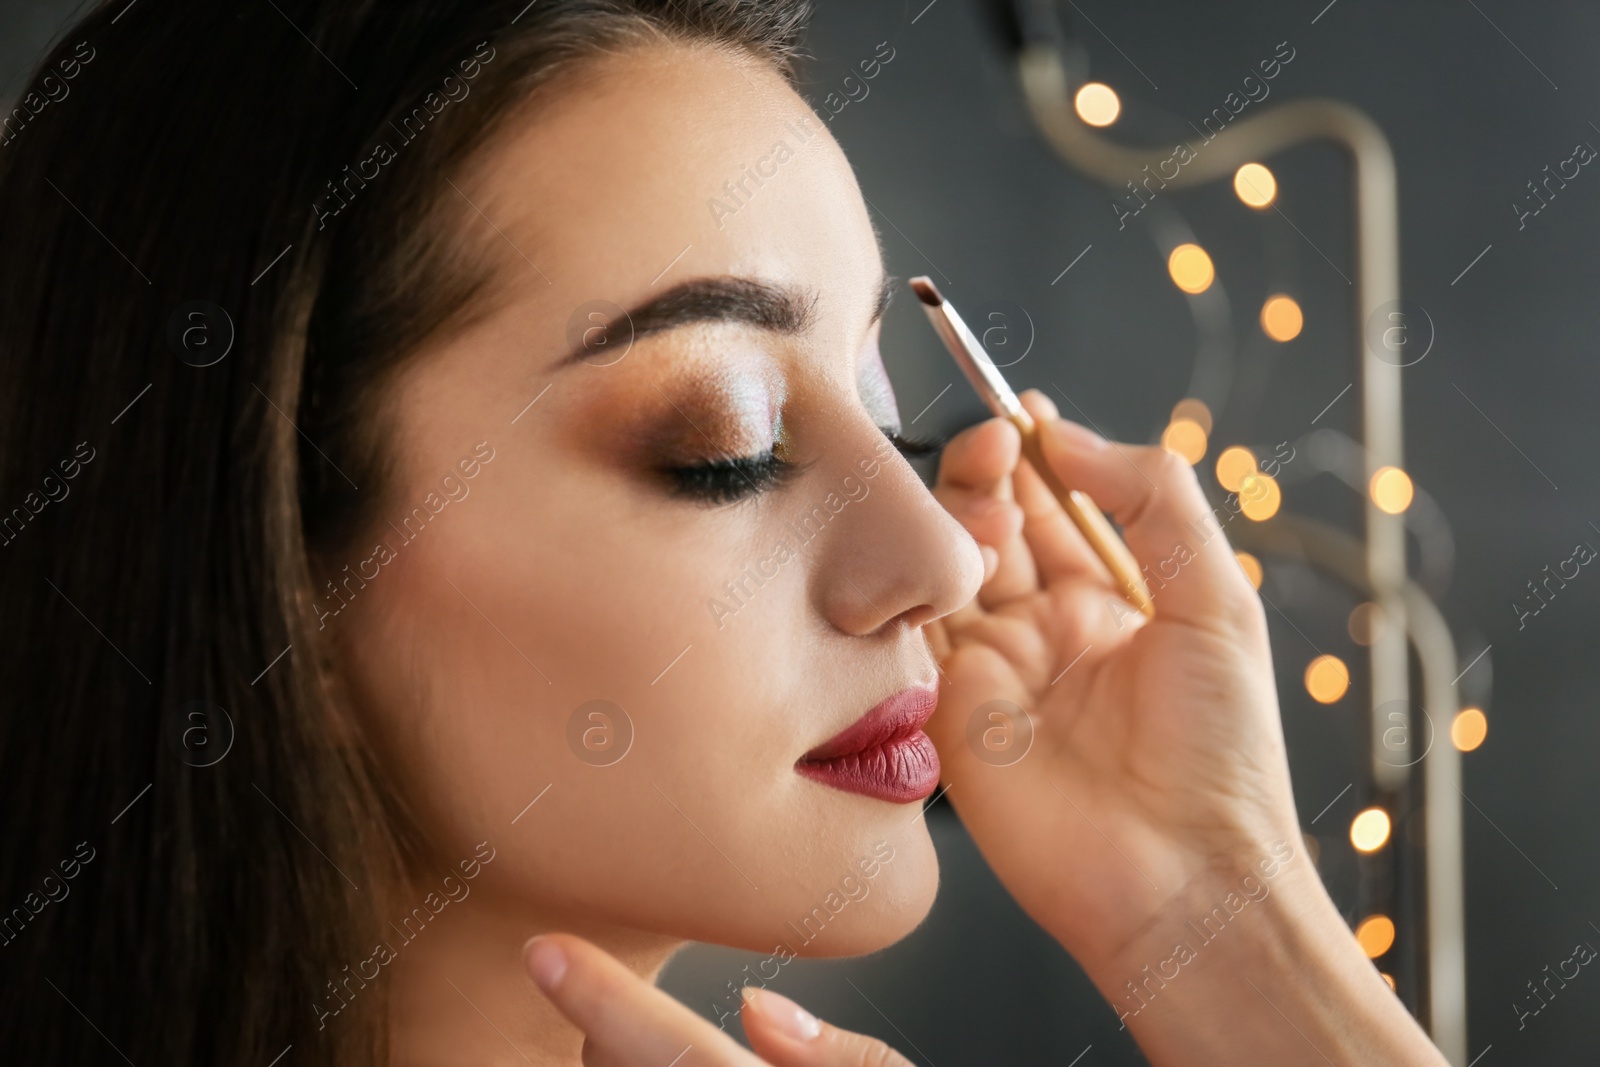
208, 266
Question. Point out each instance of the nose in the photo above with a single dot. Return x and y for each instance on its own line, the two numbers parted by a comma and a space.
903, 560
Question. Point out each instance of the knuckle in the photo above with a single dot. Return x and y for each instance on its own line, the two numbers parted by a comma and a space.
1166, 469
1085, 612
859, 1050
1243, 612
863, 1051
877, 1054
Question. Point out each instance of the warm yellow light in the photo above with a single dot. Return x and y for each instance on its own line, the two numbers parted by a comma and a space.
1327, 678
1097, 104
1376, 935
1191, 268
1366, 622
1469, 729
1233, 466
1255, 185
1387, 978
1195, 411
1259, 496
1391, 490
1281, 318
1251, 567
1369, 831
1184, 437
1313, 848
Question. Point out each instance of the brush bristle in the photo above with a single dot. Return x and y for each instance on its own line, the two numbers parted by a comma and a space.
926, 291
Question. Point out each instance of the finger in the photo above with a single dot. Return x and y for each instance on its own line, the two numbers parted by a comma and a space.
980, 458
1167, 523
786, 1035
941, 639
996, 524
625, 1019
974, 485
1059, 549
993, 521
976, 674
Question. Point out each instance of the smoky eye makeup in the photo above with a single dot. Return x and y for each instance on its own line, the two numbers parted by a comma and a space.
718, 413
729, 480
713, 437
718, 435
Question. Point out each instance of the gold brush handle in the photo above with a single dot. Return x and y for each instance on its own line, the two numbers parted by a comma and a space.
1089, 519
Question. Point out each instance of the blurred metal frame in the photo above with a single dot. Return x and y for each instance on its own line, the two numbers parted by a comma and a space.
1407, 610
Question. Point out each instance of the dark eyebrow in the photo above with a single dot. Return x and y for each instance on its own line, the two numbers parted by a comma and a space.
777, 308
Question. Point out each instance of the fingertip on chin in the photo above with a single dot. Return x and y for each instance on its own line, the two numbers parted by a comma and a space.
774, 1011
547, 960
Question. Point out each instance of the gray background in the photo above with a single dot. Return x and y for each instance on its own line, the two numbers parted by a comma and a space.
963, 189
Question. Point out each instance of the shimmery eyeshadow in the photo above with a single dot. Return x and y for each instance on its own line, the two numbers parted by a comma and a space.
875, 389
717, 412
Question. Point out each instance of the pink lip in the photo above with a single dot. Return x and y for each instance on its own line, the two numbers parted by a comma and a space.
884, 754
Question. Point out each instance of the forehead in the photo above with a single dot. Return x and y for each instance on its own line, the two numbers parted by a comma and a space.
635, 170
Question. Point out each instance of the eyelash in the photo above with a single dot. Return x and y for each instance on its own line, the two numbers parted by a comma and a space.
726, 481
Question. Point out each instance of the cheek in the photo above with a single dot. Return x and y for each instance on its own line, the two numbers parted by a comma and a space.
546, 633
558, 641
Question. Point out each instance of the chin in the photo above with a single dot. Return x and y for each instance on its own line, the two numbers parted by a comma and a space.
859, 914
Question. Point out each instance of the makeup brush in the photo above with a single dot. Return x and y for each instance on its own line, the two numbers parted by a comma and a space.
986, 380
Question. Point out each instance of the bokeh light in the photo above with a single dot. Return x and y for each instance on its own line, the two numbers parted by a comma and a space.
1327, 679
1259, 496
1369, 831
1366, 623
1191, 268
1255, 185
1233, 466
1391, 490
1375, 935
1313, 847
1251, 567
1097, 104
1469, 729
1186, 438
1195, 411
1281, 318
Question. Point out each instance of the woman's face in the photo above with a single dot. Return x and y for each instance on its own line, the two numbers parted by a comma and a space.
554, 538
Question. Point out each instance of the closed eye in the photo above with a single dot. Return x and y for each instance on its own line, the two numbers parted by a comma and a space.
728, 480
725, 481
912, 447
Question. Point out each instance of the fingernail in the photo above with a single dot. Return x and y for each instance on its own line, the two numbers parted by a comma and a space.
546, 962
789, 1018
1075, 436
991, 560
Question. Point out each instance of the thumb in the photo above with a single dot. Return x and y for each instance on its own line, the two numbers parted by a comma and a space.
784, 1034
